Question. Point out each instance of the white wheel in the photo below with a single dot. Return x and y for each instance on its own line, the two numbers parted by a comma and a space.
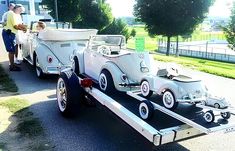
103, 83
168, 100
61, 94
145, 89
146, 109
225, 115
209, 117
39, 72
106, 82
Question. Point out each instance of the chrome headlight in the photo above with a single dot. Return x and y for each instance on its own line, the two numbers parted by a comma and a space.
123, 77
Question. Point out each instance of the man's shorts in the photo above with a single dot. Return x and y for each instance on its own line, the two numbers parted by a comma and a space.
9, 40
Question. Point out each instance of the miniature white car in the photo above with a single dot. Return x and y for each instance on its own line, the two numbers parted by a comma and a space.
53, 48
177, 87
107, 61
174, 87
216, 102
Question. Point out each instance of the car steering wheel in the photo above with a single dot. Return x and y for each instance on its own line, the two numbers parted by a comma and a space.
104, 50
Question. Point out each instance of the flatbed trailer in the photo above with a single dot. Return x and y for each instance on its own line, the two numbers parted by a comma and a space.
165, 127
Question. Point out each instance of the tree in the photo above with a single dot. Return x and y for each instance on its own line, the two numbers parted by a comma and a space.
171, 17
229, 30
133, 32
117, 27
82, 13
68, 9
94, 14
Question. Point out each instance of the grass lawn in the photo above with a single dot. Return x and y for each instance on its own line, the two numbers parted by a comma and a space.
19, 128
24, 130
28, 125
212, 67
6, 83
151, 43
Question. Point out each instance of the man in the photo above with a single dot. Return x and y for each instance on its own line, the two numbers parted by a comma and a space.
19, 36
4, 16
9, 34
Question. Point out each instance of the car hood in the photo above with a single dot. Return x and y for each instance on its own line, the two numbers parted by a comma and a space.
130, 64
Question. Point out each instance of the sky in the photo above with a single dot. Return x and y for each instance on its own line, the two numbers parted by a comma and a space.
125, 7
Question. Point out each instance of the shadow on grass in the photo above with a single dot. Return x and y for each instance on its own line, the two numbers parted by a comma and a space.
6, 83
27, 81
25, 131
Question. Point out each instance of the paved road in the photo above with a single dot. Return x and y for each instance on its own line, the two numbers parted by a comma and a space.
99, 129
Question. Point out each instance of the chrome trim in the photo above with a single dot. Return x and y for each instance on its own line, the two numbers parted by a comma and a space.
191, 100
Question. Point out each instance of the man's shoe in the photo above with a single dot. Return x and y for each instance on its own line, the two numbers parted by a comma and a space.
17, 62
14, 68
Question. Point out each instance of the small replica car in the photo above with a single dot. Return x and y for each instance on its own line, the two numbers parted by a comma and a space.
53, 47
177, 87
106, 60
174, 87
216, 102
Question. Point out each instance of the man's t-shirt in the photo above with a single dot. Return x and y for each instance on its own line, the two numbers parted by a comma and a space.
4, 18
11, 22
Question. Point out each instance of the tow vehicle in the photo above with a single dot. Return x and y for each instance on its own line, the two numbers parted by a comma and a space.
166, 126
53, 47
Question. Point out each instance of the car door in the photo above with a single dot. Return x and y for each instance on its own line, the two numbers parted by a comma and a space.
93, 62
26, 46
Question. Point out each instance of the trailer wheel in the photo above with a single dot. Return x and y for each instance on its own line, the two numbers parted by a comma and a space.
146, 110
225, 115
69, 93
75, 66
106, 82
168, 100
145, 89
209, 116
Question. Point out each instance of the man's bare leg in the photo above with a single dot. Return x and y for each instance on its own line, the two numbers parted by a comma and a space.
11, 58
16, 51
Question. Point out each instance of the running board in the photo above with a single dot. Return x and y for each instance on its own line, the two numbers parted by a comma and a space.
28, 60
227, 127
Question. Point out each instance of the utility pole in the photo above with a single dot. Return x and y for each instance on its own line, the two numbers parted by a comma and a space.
56, 11
32, 7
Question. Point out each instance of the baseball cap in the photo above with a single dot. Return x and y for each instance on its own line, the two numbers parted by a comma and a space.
12, 4
18, 5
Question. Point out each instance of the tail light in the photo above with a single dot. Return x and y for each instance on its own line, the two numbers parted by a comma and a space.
86, 82
49, 59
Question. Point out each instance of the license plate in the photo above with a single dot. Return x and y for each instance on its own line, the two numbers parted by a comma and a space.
228, 130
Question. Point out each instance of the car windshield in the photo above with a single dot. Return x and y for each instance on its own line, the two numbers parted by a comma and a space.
108, 40
58, 25
52, 25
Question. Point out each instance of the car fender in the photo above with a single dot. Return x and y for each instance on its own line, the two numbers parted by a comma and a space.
43, 51
79, 54
168, 86
115, 72
150, 80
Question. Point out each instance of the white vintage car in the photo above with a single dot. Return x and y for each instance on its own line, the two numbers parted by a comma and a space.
53, 48
107, 61
177, 87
